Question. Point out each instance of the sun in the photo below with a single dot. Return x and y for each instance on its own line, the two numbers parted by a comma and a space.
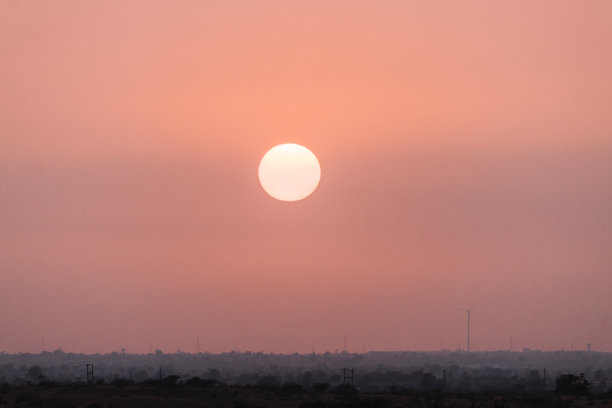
289, 172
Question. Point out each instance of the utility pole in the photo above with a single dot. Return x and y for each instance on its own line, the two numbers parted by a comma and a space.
444, 380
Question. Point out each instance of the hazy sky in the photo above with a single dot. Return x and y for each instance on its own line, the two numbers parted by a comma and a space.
465, 149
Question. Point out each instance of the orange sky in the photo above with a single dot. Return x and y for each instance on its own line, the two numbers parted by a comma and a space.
465, 148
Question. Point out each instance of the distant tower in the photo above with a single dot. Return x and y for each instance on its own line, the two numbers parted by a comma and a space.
468, 327
468, 311
198, 345
90, 373
588, 346
348, 375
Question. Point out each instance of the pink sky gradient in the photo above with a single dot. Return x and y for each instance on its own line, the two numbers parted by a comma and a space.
465, 149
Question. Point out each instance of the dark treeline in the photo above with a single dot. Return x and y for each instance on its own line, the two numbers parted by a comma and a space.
394, 372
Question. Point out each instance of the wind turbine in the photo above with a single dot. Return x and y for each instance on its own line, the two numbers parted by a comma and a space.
468, 311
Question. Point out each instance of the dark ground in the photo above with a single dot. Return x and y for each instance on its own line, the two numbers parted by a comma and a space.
146, 396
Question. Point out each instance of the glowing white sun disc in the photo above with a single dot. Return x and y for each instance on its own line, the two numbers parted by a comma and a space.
289, 172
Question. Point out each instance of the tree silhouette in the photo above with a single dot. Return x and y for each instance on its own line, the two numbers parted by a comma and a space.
570, 384
35, 373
